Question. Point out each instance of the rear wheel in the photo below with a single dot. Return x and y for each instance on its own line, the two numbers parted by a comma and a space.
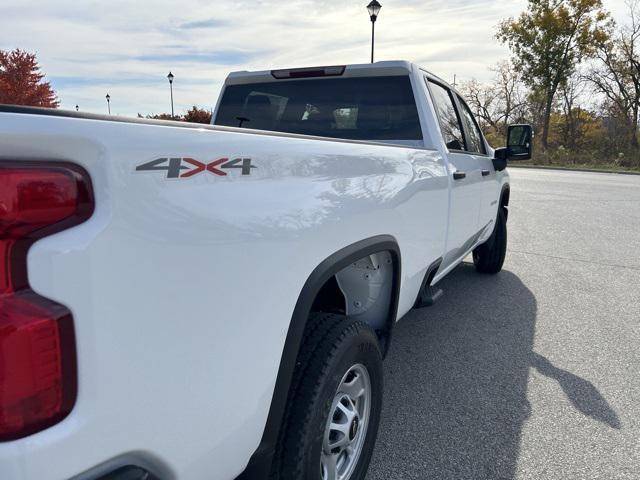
334, 407
489, 257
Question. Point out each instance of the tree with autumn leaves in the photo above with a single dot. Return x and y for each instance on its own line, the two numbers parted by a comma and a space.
574, 73
549, 40
22, 83
193, 115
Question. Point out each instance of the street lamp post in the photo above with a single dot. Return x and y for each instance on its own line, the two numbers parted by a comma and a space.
108, 97
170, 77
374, 9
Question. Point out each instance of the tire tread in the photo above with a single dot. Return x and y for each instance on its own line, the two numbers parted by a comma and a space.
324, 335
489, 257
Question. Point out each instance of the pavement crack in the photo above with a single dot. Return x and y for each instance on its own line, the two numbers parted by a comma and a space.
593, 262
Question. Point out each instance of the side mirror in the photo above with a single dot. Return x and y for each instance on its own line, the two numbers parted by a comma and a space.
519, 146
519, 142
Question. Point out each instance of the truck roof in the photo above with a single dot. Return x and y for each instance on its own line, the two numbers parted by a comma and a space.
383, 68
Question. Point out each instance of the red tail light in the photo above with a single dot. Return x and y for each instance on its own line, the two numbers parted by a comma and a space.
37, 345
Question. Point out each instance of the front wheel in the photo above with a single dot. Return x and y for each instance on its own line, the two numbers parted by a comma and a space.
489, 257
334, 408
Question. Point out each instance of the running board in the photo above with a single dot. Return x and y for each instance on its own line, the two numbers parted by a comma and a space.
428, 294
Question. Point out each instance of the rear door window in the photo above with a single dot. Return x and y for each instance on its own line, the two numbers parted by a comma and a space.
448, 117
366, 108
474, 137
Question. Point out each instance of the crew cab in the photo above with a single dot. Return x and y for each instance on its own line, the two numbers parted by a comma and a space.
180, 301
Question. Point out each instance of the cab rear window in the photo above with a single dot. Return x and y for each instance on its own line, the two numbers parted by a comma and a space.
367, 108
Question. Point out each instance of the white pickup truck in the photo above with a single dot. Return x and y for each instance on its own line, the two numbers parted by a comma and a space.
180, 301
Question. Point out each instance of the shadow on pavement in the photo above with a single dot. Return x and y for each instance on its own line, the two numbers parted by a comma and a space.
456, 383
582, 393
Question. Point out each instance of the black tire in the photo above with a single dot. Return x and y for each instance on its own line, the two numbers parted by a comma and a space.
332, 345
489, 257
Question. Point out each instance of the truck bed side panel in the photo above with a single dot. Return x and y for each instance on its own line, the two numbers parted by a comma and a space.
182, 289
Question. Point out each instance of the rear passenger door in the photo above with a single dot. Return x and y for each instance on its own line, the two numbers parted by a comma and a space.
466, 191
477, 148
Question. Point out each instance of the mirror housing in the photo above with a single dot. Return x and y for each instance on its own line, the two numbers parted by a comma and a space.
519, 146
500, 156
519, 142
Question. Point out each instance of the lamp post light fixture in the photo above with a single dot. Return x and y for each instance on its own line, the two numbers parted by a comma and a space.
108, 97
374, 9
170, 77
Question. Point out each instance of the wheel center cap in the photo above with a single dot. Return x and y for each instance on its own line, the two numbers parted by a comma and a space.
353, 430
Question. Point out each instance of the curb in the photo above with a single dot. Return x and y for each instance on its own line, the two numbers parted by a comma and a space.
591, 170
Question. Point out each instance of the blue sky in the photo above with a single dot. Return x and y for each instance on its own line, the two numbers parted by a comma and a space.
127, 48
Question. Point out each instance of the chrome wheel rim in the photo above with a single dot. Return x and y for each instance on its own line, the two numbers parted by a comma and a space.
346, 428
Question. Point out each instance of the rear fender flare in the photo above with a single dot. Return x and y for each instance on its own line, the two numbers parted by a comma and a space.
260, 463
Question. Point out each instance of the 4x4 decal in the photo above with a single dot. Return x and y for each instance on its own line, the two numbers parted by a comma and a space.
185, 167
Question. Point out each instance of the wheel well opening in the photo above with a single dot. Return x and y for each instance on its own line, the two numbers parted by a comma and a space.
330, 298
365, 290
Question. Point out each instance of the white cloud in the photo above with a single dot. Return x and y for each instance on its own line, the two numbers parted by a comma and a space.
127, 48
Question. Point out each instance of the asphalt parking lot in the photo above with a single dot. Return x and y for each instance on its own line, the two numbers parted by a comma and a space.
533, 373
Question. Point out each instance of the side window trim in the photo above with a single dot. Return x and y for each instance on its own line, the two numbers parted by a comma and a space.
460, 102
456, 107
